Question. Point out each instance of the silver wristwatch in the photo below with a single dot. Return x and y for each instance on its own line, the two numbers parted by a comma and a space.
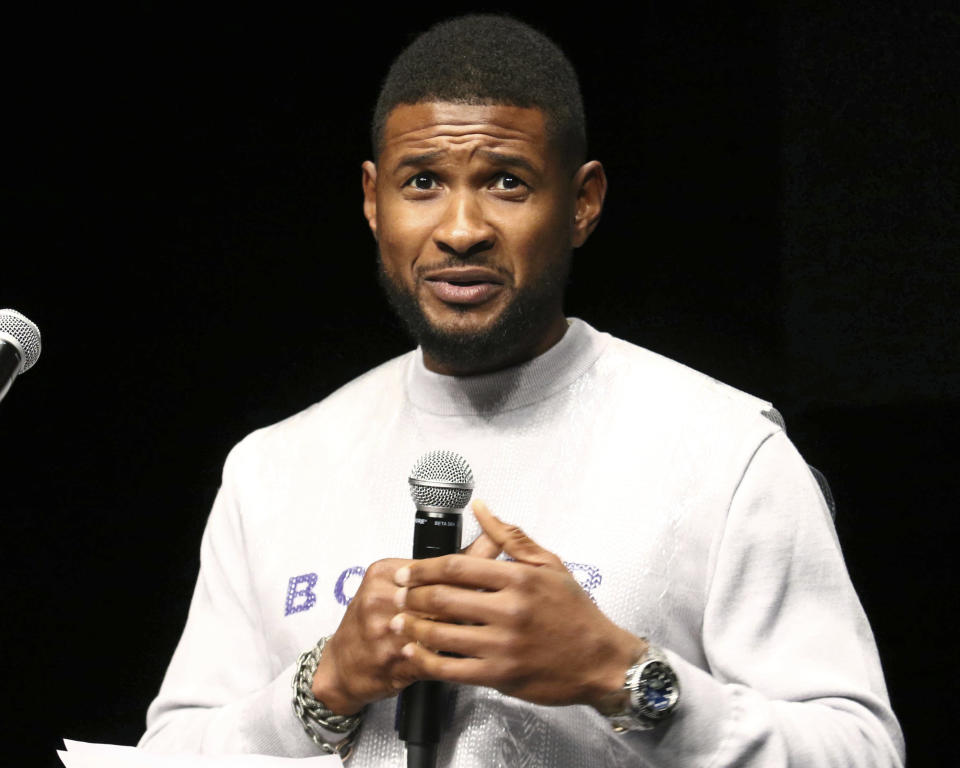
652, 693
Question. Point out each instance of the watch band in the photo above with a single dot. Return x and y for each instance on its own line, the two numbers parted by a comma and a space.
314, 715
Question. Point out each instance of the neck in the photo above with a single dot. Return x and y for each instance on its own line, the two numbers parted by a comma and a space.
508, 358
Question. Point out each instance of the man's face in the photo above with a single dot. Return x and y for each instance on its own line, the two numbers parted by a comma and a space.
476, 215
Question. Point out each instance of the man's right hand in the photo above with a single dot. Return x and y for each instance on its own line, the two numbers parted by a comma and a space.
361, 662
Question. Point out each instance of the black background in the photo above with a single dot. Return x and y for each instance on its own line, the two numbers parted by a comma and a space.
181, 217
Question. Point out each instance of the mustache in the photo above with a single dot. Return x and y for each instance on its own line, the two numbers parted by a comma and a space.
453, 262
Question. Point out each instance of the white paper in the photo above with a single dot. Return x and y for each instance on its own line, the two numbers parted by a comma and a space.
82, 754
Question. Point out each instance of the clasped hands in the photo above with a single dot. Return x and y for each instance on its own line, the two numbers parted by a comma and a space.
525, 628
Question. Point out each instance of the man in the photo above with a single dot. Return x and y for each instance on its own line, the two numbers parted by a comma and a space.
699, 555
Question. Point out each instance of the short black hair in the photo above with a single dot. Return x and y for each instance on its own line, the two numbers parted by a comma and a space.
487, 59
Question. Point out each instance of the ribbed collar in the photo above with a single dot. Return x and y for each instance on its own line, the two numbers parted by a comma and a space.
511, 388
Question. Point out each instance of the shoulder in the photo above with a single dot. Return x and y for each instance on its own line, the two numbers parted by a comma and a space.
649, 407
339, 416
640, 374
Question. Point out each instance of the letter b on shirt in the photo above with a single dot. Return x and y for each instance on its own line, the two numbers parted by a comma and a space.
300, 594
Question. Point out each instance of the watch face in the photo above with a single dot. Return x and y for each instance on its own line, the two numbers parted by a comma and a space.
658, 690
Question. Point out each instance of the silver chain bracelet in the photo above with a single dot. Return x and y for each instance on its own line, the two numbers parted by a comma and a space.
314, 715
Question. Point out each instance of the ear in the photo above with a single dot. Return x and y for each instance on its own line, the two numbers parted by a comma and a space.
590, 185
370, 195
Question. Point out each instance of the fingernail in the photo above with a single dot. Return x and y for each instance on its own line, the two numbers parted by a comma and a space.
402, 576
400, 598
396, 623
408, 650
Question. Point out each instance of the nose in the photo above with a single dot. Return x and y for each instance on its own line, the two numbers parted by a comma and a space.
464, 231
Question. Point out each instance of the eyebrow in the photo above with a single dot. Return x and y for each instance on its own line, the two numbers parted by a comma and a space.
515, 161
497, 158
421, 159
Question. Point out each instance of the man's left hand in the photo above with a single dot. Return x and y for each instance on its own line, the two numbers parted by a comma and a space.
526, 627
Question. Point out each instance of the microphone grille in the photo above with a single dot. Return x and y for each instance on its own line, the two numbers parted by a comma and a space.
24, 334
441, 479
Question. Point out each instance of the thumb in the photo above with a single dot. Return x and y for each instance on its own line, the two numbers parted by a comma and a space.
482, 546
511, 539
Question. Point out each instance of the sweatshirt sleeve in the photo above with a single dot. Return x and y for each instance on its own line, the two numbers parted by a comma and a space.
219, 694
793, 677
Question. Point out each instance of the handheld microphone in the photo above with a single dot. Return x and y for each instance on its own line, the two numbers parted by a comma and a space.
441, 483
19, 347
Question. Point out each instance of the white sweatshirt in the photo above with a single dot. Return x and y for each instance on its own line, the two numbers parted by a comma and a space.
686, 514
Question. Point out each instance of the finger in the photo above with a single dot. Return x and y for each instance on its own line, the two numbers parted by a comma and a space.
375, 595
441, 602
433, 666
459, 570
380, 573
512, 540
464, 640
401, 673
482, 546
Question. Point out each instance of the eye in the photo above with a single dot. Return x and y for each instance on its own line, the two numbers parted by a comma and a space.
508, 181
422, 181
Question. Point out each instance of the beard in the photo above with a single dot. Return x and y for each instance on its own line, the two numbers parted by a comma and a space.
518, 328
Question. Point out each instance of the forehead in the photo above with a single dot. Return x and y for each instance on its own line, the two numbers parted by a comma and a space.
445, 125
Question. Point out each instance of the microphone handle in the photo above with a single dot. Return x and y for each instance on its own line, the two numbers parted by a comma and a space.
421, 707
437, 533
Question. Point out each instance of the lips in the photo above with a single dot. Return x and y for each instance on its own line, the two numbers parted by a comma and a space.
464, 285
